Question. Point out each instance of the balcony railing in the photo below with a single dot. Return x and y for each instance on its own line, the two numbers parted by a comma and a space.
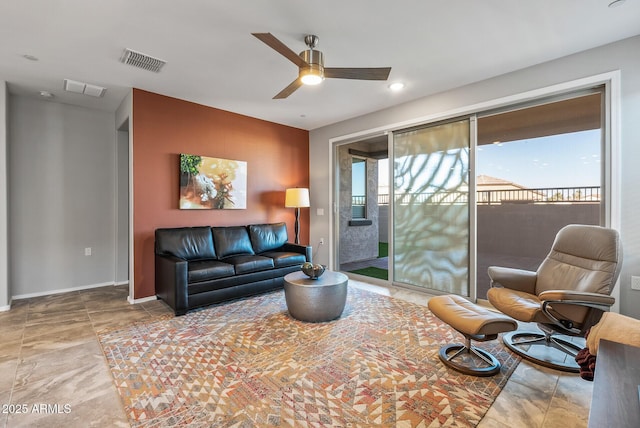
543, 195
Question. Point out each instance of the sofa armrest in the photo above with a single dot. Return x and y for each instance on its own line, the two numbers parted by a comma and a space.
171, 282
297, 248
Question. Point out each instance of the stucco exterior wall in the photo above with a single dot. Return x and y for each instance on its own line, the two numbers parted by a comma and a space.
357, 242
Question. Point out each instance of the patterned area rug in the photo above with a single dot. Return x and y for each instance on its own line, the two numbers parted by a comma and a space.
247, 363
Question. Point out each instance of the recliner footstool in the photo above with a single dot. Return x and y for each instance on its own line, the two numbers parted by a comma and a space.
474, 323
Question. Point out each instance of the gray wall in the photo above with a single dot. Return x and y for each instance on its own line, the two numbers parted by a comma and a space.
528, 230
617, 56
124, 193
122, 206
62, 190
5, 294
520, 235
383, 223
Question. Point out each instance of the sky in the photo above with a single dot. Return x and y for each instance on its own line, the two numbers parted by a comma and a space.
563, 160
358, 178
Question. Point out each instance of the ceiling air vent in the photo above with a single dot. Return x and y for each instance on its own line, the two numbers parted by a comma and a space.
141, 60
83, 88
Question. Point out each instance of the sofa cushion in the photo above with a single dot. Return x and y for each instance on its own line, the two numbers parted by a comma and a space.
189, 243
249, 263
267, 237
285, 258
232, 240
204, 270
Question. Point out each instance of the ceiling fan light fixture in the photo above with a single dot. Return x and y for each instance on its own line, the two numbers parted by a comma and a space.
311, 79
311, 76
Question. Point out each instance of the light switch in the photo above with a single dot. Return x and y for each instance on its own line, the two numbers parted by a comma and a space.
320, 211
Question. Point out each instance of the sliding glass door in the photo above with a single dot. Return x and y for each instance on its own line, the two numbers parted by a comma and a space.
431, 210
455, 203
539, 167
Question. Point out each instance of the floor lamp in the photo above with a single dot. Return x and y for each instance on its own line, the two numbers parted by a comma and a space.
297, 198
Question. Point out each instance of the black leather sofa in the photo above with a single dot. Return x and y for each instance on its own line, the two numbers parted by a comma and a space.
198, 266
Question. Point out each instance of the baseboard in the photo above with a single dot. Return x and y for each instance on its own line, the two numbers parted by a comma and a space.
5, 308
122, 283
61, 290
141, 300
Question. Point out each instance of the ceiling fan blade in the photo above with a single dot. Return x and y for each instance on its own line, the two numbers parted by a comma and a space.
288, 90
381, 73
271, 41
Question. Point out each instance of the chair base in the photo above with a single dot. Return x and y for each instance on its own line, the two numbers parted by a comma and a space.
490, 367
474, 323
526, 343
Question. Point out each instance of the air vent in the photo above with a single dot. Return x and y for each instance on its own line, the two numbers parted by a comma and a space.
141, 60
83, 88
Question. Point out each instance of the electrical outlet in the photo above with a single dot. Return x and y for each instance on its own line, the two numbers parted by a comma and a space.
87, 251
321, 241
635, 282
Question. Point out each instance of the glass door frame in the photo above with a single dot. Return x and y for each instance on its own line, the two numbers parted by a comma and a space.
612, 174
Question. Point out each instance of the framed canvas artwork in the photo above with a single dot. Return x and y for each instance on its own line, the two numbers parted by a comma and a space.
212, 183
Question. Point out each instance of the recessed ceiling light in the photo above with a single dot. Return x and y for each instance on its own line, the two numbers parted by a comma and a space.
46, 94
396, 86
30, 57
616, 3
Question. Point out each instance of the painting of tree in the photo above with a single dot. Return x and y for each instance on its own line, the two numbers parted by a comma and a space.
212, 183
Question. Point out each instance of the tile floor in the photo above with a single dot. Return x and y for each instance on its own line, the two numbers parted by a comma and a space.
50, 355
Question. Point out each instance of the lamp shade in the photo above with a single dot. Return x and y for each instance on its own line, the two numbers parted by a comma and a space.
296, 198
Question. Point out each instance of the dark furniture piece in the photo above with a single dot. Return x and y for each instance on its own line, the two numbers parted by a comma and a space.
198, 266
615, 401
315, 300
566, 295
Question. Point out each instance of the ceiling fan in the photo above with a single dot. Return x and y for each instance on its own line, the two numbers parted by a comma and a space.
311, 65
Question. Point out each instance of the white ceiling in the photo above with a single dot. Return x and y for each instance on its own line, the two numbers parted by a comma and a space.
212, 59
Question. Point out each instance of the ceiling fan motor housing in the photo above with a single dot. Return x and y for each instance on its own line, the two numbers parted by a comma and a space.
315, 59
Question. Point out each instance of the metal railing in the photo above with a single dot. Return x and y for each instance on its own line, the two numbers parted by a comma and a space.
542, 195
361, 200
545, 195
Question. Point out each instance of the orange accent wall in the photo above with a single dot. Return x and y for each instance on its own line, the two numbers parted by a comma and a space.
277, 158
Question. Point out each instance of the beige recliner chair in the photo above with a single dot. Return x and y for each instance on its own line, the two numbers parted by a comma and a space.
565, 296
